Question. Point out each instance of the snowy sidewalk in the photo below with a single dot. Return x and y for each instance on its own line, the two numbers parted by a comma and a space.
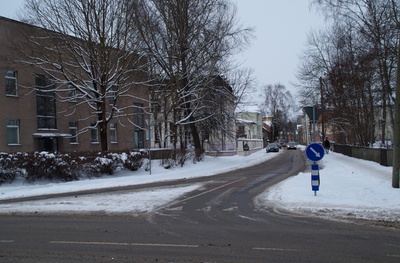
350, 188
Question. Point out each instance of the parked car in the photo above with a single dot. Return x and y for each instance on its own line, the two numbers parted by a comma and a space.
272, 147
291, 146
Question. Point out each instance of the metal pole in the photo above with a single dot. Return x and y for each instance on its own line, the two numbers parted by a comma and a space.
315, 192
150, 159
307, 132
322, 108
313, 114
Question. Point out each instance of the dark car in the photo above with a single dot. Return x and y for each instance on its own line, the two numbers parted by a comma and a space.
272, 147
291, 146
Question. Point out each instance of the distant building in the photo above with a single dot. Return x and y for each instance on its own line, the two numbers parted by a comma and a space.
249, 131
267, 130
249, 125
218, 103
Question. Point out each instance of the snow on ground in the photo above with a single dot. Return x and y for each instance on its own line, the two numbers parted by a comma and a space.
350, 188
120, 202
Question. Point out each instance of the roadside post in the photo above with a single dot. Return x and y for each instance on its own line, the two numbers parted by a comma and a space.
315, 152
315, 180
149, 153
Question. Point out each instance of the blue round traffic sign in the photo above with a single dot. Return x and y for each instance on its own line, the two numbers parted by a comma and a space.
315, 152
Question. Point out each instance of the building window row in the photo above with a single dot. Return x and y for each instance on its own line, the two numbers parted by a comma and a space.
94, 133
13, 132
46, 103
46, 110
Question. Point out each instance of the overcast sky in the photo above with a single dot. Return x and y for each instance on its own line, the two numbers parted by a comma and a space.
281, 31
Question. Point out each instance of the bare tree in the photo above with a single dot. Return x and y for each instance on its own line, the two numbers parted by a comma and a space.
243, 85
375, 21
189, 41
278, 103
349, 94
89, 51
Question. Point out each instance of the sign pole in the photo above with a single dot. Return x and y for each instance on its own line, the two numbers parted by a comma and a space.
307, 132
313, 120
315, 152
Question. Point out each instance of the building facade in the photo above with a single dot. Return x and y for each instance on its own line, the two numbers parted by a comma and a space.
39, 114
249, 125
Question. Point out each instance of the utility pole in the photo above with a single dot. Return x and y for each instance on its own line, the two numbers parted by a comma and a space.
396, 132
321, 86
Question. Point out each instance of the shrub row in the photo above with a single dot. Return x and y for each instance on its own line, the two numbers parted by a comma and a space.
64, 167
70, 167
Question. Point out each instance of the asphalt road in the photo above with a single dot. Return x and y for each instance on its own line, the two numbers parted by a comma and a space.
217, 223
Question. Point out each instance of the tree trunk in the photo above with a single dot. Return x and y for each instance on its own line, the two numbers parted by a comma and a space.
103, 127
103, 137
196, 139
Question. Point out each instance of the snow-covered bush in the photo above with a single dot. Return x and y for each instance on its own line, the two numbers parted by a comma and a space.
104, 165
9, 167
179, 157
110, 162
44, 165
132, 161
65, 167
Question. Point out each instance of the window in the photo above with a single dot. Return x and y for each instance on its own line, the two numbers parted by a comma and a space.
10, 77
94, 133
171, 132
112, 95
73, 130
241, 131
155, 107
13, 132
71, 94
138, 116
157, 133
113, 133
45, 103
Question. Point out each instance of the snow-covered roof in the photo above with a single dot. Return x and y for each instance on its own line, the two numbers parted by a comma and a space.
248, 108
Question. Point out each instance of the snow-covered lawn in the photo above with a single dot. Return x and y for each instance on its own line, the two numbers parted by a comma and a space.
349, 188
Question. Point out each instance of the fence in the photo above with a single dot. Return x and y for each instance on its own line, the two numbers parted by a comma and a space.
219, 149
380, 155
248, 146
244, 147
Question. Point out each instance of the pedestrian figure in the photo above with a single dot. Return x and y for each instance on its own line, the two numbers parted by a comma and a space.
327, 145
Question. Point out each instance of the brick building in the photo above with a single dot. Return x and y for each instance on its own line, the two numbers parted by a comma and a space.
36, 118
